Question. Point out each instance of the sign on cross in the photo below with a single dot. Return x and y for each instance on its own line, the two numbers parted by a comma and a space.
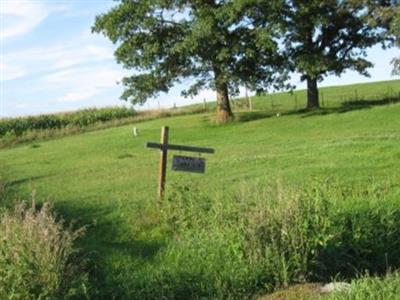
180, 163
188, 164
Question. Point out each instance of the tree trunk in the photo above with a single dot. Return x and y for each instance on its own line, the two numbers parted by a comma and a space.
312, 93
224, 112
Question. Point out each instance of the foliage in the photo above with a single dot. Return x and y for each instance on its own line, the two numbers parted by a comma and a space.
79, 119
37, 257
233, 245
330, 37
372, 287
213, 43
395, 31
225, 44
388, 16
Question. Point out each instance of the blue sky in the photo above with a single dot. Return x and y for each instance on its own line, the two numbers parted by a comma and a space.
50, 61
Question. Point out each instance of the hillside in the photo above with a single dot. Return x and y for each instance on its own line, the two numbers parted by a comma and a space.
103, 178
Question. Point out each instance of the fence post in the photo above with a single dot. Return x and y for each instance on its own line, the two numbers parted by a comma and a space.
250, 104
323, 99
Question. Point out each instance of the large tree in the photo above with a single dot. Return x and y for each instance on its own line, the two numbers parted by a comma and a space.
395, 31
213, 43
325, 37
386, 14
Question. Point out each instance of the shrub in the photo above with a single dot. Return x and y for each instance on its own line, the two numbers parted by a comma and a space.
37, 256
232, 245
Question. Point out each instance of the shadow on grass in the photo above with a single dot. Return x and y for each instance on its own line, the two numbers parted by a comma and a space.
107, 232
125, 155
253, 116
13, 183
109, 246
345, 107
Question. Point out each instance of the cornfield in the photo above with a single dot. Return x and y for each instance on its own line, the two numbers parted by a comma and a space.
80, 119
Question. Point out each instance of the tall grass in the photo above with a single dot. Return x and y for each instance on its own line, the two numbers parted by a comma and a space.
37, 256
234, 245
217, 244
372, 287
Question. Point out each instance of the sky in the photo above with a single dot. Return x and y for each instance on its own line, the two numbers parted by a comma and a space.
51, 62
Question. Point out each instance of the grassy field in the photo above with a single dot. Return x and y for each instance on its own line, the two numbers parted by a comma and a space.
108, 179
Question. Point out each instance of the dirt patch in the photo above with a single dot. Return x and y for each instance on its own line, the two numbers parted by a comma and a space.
296, 292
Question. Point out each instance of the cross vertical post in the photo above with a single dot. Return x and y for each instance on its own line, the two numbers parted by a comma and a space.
163, 162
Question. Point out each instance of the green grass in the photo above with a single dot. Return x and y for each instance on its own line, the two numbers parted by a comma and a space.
108, 179
334, 99
361, 288
372, 287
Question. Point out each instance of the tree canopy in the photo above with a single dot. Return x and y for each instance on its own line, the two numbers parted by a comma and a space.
225, 44
325, 37
215, 44
395, 31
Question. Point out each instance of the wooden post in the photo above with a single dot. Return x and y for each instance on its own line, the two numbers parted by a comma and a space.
163, 162
250, 104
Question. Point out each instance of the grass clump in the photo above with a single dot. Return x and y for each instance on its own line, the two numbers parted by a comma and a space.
233, 245
37, 256
372, 287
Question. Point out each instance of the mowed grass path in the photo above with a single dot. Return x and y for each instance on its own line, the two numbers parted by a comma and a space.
98, 178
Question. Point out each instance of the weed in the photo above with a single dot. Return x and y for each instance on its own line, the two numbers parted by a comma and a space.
372, 287
232, 245
37, 257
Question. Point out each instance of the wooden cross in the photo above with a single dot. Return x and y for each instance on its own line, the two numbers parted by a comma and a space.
164, 147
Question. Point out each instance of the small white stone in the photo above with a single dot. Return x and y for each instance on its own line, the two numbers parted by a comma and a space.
135, 131
335, 287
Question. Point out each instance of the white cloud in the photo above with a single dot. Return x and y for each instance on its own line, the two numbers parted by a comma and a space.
89, 76
39, 60
82, 83
62, 73
21, 17
78, 95
73, 55
22, 105
9, 72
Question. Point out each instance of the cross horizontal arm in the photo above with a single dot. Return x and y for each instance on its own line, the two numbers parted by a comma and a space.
180, 148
